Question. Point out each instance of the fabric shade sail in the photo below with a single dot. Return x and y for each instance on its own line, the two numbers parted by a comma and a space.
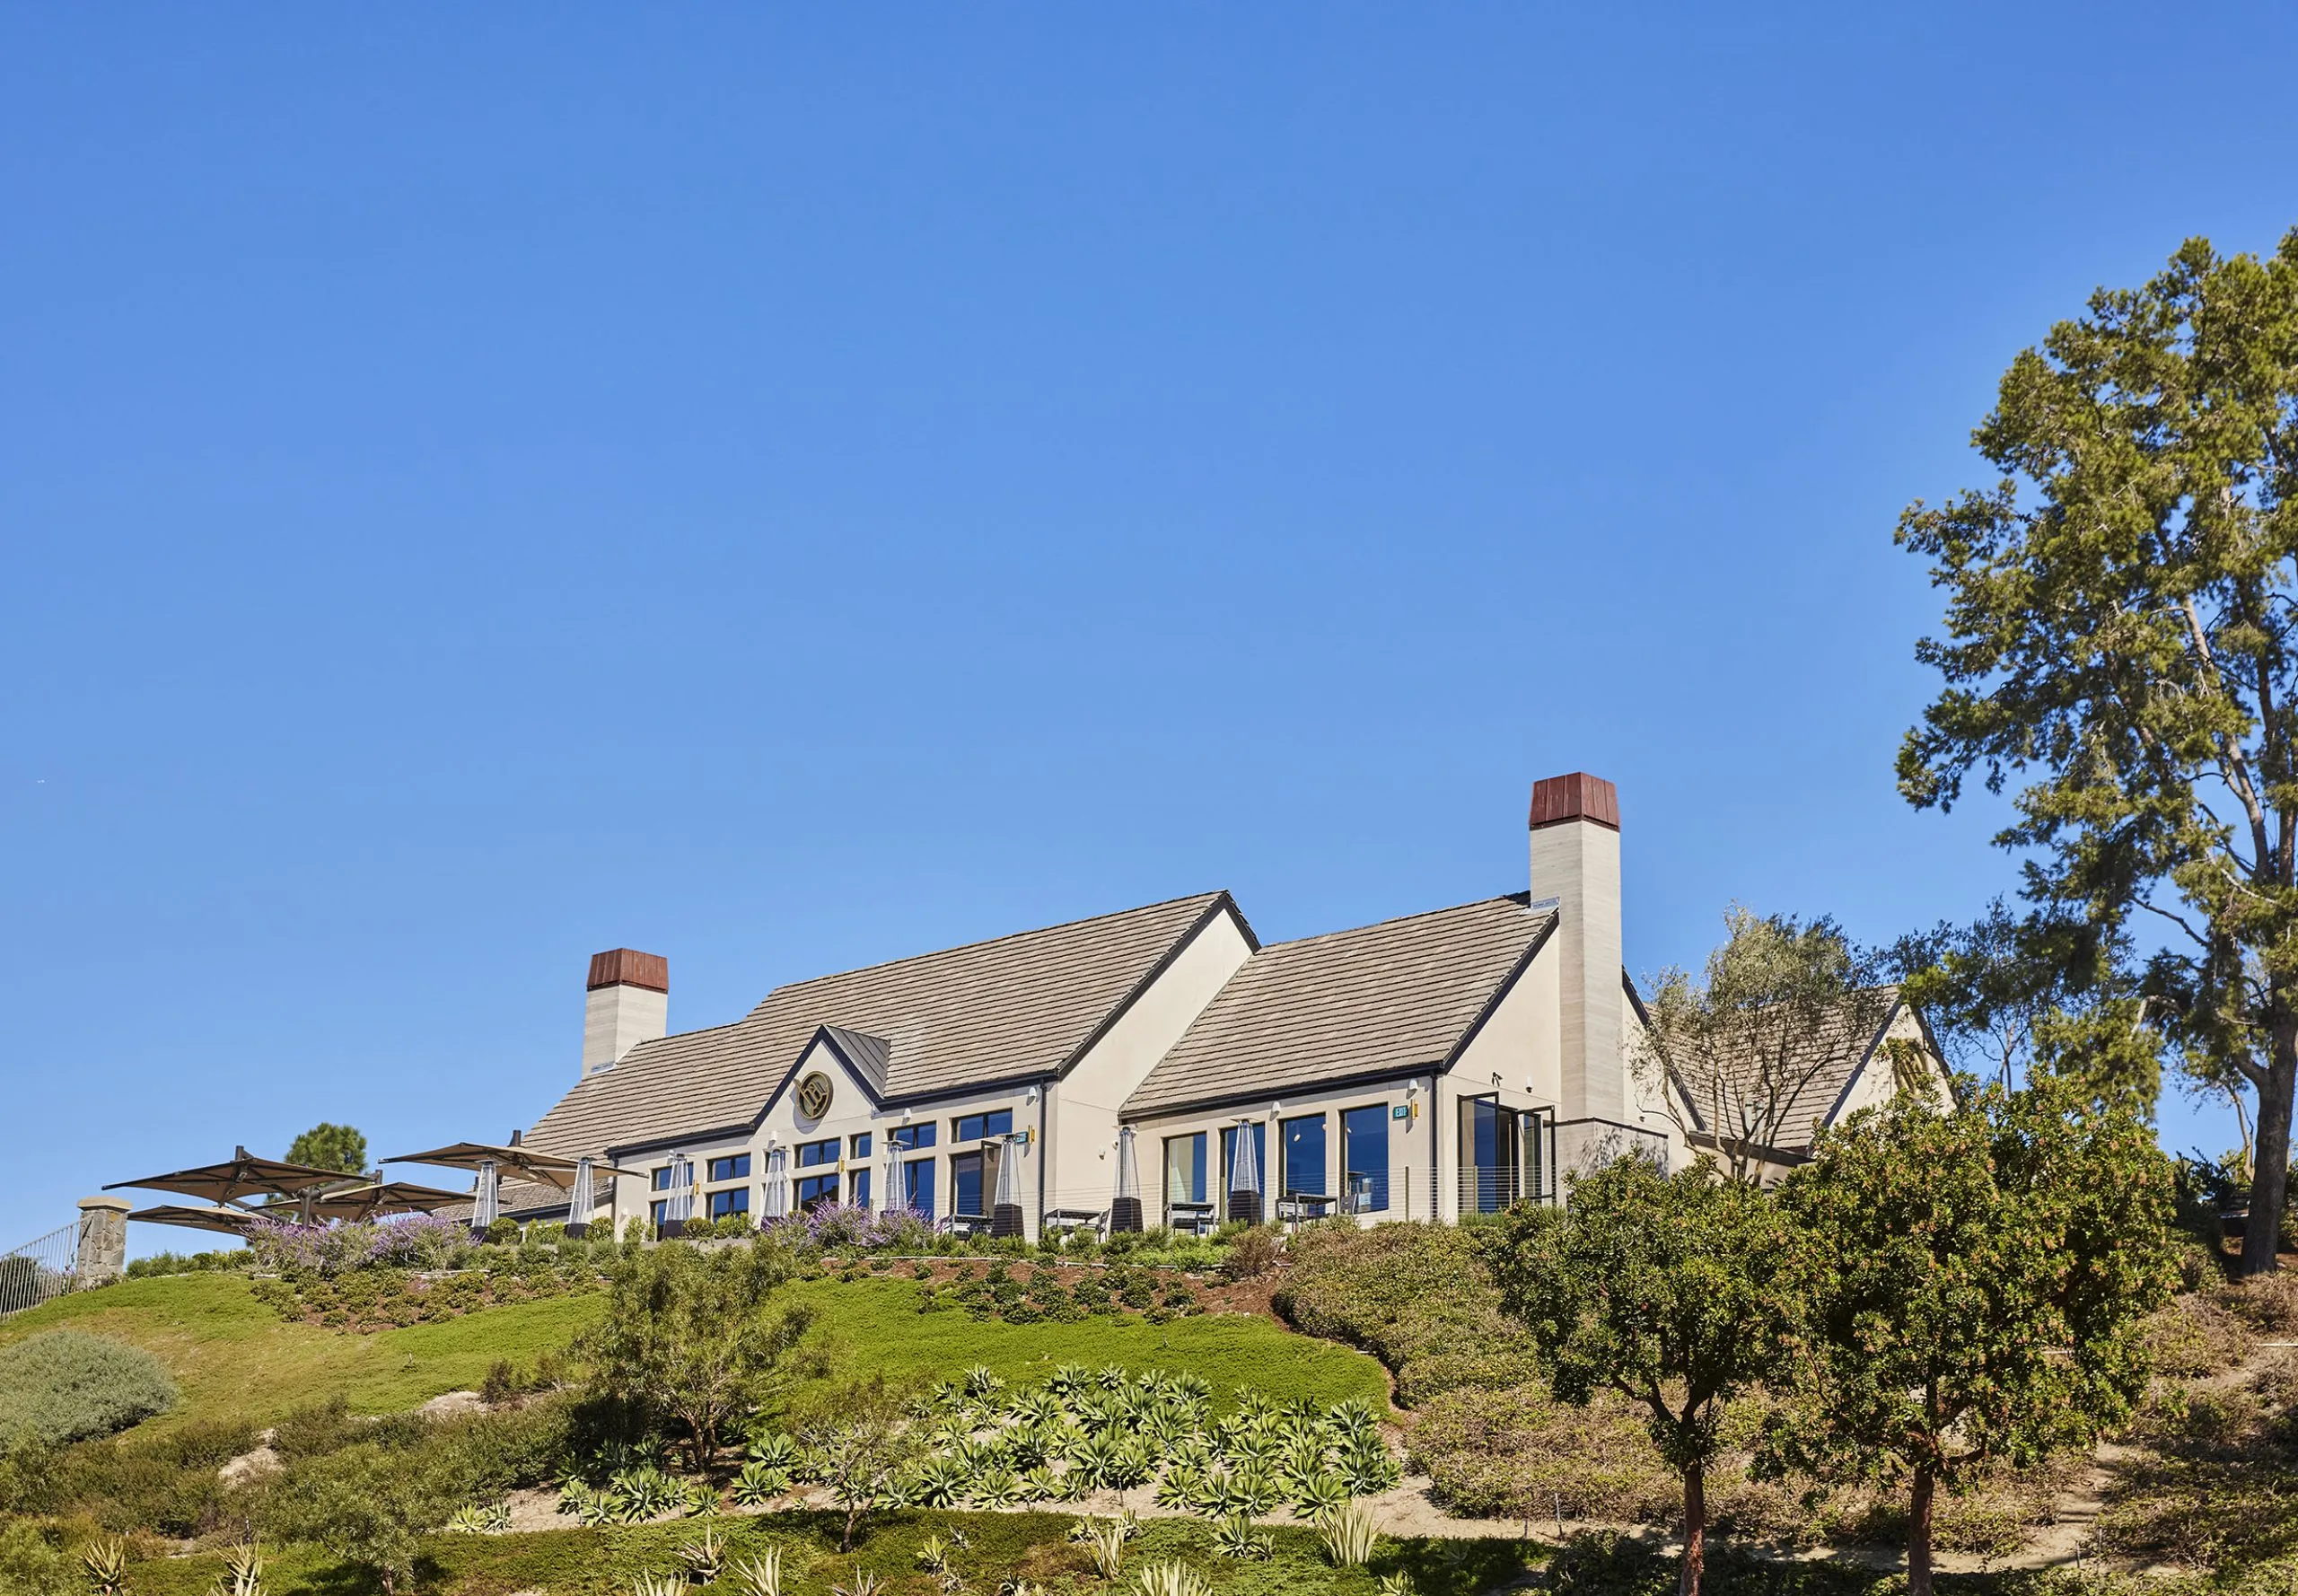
1005, 1207
1125, 1210
243, 1175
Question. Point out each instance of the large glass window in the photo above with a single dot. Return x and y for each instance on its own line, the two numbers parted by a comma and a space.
737, 1167
973, 1128
1364, 1159
910, 1138
815, 1190
1303, 1142
859, 1146
1185, 1169
917, 1185
735, 1201
973, 1177
811, 1154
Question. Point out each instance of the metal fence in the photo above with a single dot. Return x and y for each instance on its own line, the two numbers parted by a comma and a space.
46, 1266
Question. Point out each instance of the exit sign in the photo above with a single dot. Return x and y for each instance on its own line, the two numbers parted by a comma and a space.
1401, 1111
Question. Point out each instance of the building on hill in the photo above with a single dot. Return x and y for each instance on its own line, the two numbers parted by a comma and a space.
1440, 1065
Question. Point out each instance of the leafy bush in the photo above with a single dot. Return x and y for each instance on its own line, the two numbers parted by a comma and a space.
1416, 1296
177, 1263
66, 1385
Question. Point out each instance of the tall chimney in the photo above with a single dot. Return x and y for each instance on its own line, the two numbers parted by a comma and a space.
1576, 872
629, 1002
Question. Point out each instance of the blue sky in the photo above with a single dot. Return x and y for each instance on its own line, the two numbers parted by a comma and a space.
791, 487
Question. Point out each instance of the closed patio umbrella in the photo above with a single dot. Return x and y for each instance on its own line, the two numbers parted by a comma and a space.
1124, 1211
777, 1182
1006, 1212
1244, 1177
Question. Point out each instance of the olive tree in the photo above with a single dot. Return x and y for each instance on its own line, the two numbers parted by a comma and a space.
1664, 1288
1971, 1285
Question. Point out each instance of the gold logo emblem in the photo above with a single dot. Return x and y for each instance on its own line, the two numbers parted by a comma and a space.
814, 1096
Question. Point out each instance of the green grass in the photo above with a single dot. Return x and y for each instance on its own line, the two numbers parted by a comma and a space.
233, 1356
874, 1325
596, 1562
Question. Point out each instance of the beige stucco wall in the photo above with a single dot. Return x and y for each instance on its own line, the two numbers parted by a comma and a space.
1409, 1177
1083, 1107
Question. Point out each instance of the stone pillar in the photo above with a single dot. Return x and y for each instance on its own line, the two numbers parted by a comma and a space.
104, 1240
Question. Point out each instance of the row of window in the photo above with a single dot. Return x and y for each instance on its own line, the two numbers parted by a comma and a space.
1303, 1161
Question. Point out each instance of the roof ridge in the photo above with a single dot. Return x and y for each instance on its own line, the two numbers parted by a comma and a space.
985, 942
1517, 899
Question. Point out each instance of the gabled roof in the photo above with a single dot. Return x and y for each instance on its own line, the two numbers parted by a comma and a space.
1824, 1064
1015, 1007
1386, 999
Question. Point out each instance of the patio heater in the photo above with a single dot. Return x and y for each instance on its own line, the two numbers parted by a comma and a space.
889, 1176
1124, 1209
579, 1202
487, 1198
1006, 1212
1244, 1177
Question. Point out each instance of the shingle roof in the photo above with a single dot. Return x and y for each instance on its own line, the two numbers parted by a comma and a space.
1817, 1068
1398, 996
1016, 1005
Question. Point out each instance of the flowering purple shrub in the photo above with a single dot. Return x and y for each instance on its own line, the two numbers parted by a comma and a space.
852, 1225
418, 1242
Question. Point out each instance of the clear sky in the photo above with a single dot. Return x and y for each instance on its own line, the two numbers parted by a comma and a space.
790, 487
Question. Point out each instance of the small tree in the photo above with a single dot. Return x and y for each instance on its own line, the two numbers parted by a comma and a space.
366, 1506
1735, 1050
695, 1336
329, 1147
1662, 1288
1972, 1286
857, 1442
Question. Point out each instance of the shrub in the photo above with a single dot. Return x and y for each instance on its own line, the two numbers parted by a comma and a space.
503, 1229
66, 1385
1252, 1254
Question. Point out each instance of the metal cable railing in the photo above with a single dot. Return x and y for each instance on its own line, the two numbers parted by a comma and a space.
43, 1268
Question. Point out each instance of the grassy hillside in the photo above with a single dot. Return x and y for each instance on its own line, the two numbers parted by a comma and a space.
234, 1357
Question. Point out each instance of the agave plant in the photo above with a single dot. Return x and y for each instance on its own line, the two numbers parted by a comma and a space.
1394, 1584
1068, 1378
1107, 1545
774, 1449
1318, 1495
981, 1381
1040, 1404
938, 1482
1192, 1387
862, 1582
242, 1573
491, 1518
758, 1576
1112, 1376
1185, 1485
1251, 1489
934, 1556
1041, 1485
1237, 1538
1171, 1579
658, 1585
760, 1483
587, 1504
105, 1558
1367, 1466
995, 1488
705, 1556
1350, 1535
1353, 1417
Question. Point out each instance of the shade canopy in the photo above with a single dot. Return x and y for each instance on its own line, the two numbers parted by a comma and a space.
545, 1169
228, 1221
378, 1198
244, 1175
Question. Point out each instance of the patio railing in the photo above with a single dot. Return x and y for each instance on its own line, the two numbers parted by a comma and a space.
43, 1268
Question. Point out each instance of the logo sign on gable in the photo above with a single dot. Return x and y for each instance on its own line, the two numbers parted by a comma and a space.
814, 1096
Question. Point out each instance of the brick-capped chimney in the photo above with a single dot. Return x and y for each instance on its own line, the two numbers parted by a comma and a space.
1575, 872
628, 1002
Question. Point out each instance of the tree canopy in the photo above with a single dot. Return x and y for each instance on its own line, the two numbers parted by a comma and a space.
2121, 644
1970, 1286
330, 1146
1664, 1288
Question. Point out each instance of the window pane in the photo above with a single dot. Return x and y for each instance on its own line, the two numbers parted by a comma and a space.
861, 1144
966, 1195
917, 1186
815, 1190
723, 1203
1185, 1169
909, 1138
736, 1168
1365, 1154
816, 1152
1305, 1156
662, 1178
859, 1186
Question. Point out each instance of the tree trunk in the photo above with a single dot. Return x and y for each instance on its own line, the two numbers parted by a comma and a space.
1695, 1564
845, 1541
1918, 1534
2270, 1163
